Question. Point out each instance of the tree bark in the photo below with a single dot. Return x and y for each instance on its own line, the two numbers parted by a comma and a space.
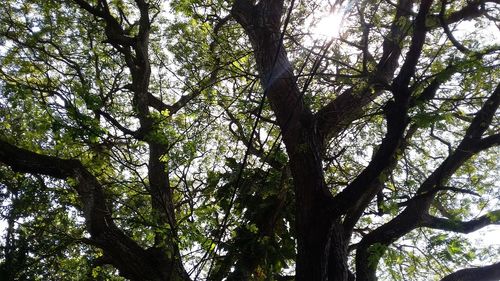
485, 273
318, 232
132, 261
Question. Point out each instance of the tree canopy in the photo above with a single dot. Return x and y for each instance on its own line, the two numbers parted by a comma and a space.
231, 140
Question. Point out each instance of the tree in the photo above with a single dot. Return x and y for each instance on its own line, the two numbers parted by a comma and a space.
221, 140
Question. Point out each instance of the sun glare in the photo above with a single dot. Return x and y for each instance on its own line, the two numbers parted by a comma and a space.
327, 27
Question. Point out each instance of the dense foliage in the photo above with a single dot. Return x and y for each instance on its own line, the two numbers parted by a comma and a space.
238, 140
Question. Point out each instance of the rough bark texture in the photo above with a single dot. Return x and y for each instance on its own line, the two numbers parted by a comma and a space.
122, 252
317, 230
322, 239
485, 273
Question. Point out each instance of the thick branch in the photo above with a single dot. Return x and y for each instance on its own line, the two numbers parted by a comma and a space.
461, 226
471, 10
489, 141
484, 273
447, 30
396, 114
374, 188
133, 261
114, 32
332, 118
261, 23
412, 217
364, 184
340, 112
401, 82
429, 92
96, 213
25, 161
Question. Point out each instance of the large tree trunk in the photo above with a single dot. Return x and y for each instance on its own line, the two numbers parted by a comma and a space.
321, 252
321, 249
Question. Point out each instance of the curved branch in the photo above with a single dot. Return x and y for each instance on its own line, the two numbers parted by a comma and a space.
461, 226
489, 141
117, 124
115, 33
127, 256
448, 32
397, 121
373, 245
348, 106
485, 273
400, 83
471, 10
97, 214
24, 161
